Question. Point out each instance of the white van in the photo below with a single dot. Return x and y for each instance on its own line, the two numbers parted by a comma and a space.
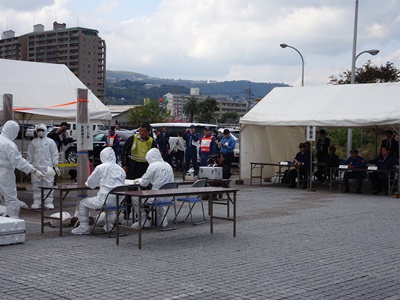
96, 127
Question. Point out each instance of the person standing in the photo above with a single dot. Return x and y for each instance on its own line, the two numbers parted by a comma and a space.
133, 157
192, 141
42, 154
162, 144
107, 176
179, 152
391, 144
158, 173
113, 141
59, 135
322, 146
228, 144
208, 146
10, 159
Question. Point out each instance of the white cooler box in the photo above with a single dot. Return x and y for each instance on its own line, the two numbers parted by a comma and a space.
210, 172
12, 231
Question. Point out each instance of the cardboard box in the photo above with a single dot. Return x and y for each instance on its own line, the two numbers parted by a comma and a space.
210, 172
12, 231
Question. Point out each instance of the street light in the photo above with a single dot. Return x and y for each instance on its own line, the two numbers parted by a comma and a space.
353, 76
302, 61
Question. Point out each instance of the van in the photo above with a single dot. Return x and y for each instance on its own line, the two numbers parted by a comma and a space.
96, 128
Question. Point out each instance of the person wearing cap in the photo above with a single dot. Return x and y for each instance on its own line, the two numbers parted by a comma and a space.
208, 146
42, 154
354, 162
191, 138
228, 144
113, 141
322, 147
391, 144
302, 163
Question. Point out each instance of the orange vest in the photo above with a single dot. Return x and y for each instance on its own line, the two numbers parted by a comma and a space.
205, 144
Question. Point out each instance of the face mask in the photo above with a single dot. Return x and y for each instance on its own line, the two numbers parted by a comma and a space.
40, 134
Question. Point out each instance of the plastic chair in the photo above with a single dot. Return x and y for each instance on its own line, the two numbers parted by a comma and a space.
110, 208
191, 201
162, 203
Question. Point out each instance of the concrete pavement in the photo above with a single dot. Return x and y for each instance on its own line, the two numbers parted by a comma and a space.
290, 244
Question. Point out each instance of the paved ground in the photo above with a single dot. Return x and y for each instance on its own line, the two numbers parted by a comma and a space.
290, 244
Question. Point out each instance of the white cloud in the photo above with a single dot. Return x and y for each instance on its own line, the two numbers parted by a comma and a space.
228, 39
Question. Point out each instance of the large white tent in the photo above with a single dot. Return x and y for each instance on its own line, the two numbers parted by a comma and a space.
272, 130
43, 91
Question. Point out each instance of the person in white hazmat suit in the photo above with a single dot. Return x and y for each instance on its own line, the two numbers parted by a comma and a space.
10, 159
158, 173
107, 176
42, 154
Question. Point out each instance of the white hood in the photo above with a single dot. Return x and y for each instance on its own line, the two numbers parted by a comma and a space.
153, 155
10, 130
107, 155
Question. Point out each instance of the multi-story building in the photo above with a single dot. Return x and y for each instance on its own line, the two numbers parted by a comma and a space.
80, 49
175, 103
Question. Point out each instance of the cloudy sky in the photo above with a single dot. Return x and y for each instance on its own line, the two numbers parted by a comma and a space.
224, 39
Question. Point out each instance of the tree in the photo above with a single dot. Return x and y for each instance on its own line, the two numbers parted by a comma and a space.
208, 109
225, 117
369, 74
149, 112
190, 108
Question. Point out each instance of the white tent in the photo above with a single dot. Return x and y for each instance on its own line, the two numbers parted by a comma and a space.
272, 130
45, 91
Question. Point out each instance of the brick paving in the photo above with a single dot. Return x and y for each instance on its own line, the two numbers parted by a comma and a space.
290, 244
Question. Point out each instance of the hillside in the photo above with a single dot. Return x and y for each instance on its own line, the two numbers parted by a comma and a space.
133, 87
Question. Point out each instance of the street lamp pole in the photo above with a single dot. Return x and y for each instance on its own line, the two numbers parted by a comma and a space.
302, 61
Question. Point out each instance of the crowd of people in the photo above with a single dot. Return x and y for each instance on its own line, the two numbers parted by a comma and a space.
355, 164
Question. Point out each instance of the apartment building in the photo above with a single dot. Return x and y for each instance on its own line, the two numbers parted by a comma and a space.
175, 102
80, 49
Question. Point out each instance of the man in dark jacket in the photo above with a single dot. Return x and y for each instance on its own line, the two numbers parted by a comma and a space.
379, 180
354, 162
302, 163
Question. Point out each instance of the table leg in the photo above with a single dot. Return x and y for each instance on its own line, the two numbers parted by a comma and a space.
61, 211
140, 223
251, 174
211, 208
117, 220
234, 214
261, 169
42, 209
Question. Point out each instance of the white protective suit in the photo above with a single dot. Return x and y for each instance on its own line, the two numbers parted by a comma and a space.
158, 173
42, 153
10, 159
107, 176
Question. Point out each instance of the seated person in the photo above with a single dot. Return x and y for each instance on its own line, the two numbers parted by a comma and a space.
354, 162
302, 162
107, 176
379, 180
331, 161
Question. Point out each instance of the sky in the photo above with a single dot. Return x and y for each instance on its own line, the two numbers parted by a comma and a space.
225, 39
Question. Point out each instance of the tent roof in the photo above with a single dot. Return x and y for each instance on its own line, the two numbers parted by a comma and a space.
356, 105
45, 91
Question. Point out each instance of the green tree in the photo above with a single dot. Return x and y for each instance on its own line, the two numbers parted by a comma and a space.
190, 108
369, 74
208, 109
149, 112
231, 117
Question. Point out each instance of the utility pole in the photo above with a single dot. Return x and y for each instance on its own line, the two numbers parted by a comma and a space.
249, 98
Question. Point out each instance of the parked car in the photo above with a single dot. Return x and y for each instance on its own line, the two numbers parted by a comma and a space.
99, 140
25, 126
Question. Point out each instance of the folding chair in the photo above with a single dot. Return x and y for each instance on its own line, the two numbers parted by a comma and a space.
106, 208
191, 201
160, 202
